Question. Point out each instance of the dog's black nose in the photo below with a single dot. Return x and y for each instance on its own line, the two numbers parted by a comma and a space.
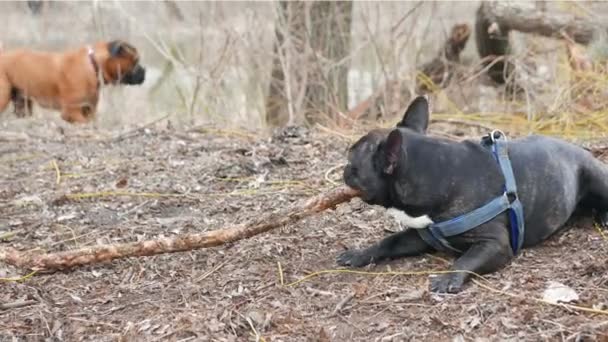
136, 76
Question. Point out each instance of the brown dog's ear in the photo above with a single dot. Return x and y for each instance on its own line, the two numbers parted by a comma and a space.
416, 115
392, 151
115, 48
119, 48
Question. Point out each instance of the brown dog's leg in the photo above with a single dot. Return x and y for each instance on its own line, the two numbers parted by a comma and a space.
73, 116
22, 105
5, 93
73, 113
28, 107
19, 106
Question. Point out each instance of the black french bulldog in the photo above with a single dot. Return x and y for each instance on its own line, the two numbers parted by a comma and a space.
424, 180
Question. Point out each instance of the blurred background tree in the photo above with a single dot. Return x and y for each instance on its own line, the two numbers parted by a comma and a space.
316, 35
340, 64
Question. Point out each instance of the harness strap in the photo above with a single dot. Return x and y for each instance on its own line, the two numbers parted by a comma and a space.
436, 240
436, 233
515, 208
481, 215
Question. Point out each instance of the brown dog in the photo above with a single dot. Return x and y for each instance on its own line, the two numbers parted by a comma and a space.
68, 82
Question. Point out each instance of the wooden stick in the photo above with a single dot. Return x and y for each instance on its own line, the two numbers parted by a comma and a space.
179, 243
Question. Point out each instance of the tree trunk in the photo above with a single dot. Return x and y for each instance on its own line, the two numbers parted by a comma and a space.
180, 243
492, 44
290, 34
330, 40
310, 64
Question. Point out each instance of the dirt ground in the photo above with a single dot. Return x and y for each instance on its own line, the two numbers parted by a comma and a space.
110, 187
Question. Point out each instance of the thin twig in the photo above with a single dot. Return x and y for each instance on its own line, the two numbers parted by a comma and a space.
281, 278
208, 273
137, 130
7, 235
342, 303
319, 292
17, 304
57, 172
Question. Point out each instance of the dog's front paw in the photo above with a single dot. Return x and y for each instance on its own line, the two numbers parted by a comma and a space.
448, 283
354, 258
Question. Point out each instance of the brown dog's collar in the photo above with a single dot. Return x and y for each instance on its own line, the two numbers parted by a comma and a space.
91, 54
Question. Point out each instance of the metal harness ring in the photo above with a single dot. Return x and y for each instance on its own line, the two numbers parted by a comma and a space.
497, 131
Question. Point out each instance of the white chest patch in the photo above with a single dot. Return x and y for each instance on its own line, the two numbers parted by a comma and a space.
404, 220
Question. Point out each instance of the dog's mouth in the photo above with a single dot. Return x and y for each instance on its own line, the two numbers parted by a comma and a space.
367, 197
136, 76
363, 195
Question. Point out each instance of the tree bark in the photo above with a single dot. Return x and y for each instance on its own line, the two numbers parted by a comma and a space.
291, 23
496, 19
527, 18
493, 44
180, 243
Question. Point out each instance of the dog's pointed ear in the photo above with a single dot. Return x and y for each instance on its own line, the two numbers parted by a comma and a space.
392, 151
416, 115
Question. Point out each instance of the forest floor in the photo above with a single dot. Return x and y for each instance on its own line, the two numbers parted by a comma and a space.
67, 189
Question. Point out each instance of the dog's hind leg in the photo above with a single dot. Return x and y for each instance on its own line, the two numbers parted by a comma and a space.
595, 179
22, 106
490, 253
29, 109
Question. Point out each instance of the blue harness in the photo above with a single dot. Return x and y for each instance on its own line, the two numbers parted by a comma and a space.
436, 233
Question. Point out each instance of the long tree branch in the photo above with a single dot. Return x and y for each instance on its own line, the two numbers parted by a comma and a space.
179, 243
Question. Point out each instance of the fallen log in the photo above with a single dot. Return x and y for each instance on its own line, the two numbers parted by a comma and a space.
179, 243
526, 18
495, 19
